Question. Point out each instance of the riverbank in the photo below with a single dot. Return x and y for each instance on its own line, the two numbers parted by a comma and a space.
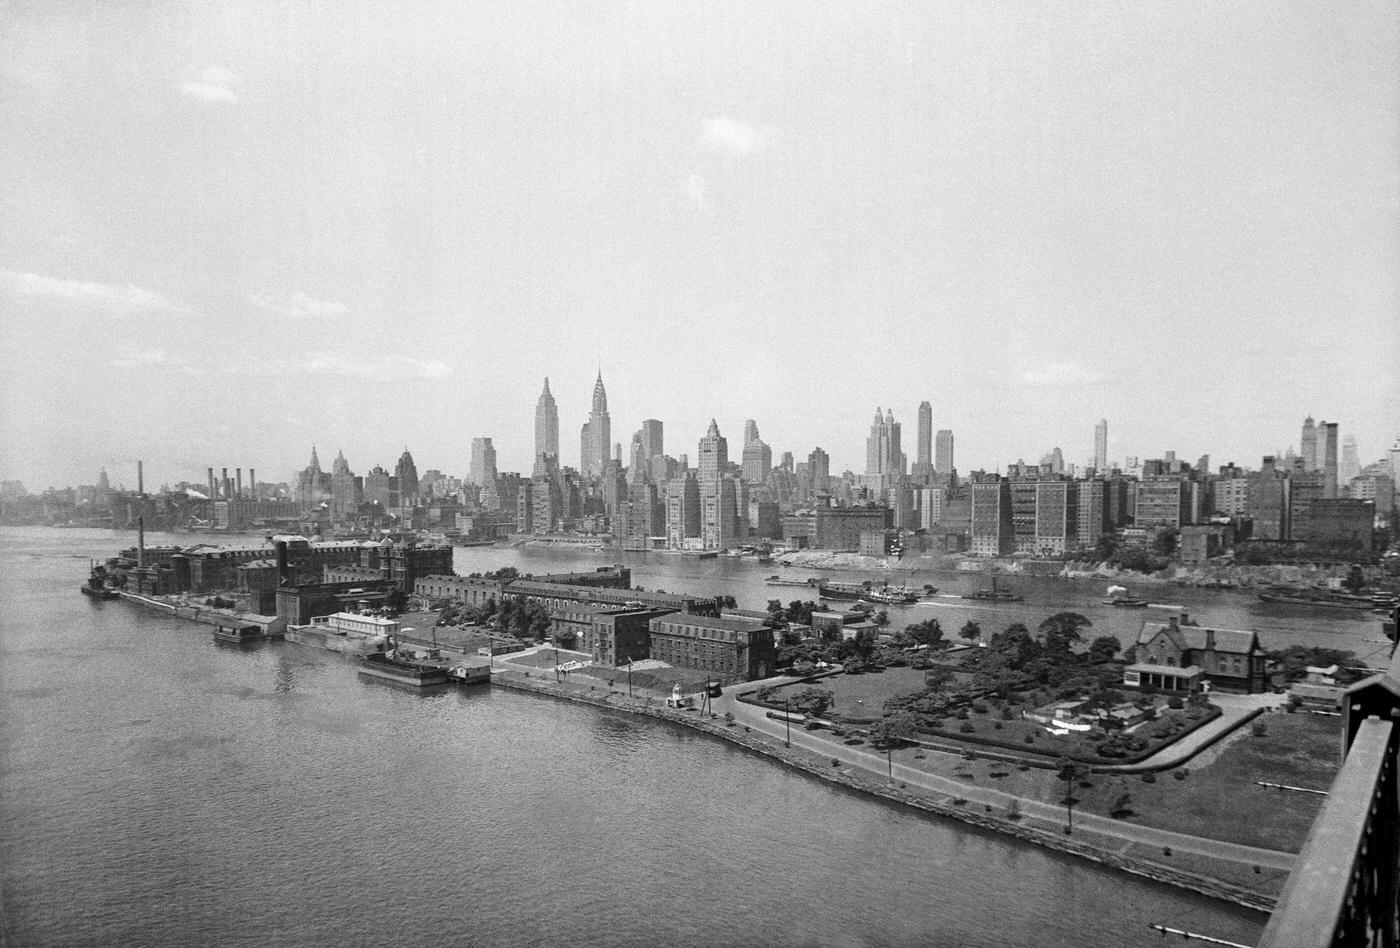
1027, 828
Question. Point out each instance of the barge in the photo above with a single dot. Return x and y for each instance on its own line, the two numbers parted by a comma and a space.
386, 666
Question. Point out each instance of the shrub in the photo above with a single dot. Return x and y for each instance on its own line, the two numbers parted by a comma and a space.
967, 727
979, 707
1180, 774
1149, 778
996, 725
1259, 729
1030, 738
1175, 703
962, 714
1166, 850
835, 762
1006, 714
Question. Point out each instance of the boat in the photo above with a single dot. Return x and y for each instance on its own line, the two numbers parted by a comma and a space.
1118, 596
894, 595
464, 674
1314, 596
708, 555
993, 595
776, 580
96, 586
390, 667
843, 590
243, 635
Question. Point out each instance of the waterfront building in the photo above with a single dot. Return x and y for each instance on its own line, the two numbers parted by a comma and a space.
682, 511
1101, 445
834, 528
299, 604
1341, 525
1178, 655
943, 452
1269, 501
992, 529
1200, 542
765, 519
719, 514
1229, 495
546, 424
726, 646
1305, 490
1327, 457
557, 596
525, 507
1093, 510
1056, 517
546, 504
1376, 487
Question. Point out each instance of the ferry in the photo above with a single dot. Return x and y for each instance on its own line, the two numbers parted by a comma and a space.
1118, 596
993, 595
894, 595
388, 666
96, 586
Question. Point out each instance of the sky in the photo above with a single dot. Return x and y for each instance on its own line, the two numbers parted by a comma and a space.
232, 230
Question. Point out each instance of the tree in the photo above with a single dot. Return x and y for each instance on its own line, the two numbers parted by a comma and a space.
727, 602
924, 633
1016, 645
1103, 648
801, 612
894, 729
1061, 631
813, 701
971, 630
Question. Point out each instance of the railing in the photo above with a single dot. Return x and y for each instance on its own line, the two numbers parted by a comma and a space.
1345, 887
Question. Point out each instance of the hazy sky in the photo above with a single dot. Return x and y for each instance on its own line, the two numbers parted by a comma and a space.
229, 230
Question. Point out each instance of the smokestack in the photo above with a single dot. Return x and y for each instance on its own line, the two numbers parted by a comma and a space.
211, 483
252, 484
238, 472
282, 569
223, 484
140, 541
140, 479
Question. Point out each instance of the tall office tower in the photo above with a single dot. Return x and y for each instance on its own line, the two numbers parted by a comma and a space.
943, 452
346, 493
597, 443
757, 462
682, 510
923, 460
750, 431
884, 461
546, 424
819, 469
482, 471
1327, 457
407, 473
1351, 460
653, 445
714, 455
1308, 445
1394, 456
638, 468
1101, 445
785, 462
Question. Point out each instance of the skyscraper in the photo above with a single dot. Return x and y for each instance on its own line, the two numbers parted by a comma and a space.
924, 458
884, 460
750, 431
596, 446
1101, 445
819, 469
482, 471
546, 424
1351, 460
943, 452
653, 444
713, 459
718, 498
407, 473
1307, 446
757, 461
1327, 457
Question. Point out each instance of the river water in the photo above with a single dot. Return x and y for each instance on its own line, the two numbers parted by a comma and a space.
157, 789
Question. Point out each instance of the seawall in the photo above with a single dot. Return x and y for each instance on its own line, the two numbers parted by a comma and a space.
872, 786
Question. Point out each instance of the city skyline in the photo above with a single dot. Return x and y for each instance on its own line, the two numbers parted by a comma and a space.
408, 251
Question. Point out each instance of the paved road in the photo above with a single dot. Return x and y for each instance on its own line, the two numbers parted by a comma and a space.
877, 764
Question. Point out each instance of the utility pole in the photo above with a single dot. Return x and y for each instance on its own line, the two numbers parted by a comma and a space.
787, 719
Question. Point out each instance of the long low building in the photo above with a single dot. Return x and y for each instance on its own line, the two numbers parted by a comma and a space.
558, 596
730, 647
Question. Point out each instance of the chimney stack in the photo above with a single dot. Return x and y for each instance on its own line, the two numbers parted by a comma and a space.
252, 484
238, 472
140, 542
140, 479
211, 483
223, 484
282, 568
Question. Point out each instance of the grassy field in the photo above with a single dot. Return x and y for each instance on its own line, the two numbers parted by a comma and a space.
1218, 800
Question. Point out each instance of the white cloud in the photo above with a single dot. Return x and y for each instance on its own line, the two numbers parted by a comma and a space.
298, 306
115, 300
215, 84
729, 136
1057, 374
382, 368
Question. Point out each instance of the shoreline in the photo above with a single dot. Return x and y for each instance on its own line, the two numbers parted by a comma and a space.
893, 795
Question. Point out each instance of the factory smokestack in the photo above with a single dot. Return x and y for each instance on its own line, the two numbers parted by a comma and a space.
211, 483
252, 483
140, 541
238, 472
223, 484
282, 568
140, 479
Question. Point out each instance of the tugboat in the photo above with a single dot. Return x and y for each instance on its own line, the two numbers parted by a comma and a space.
96, 586
993, 595
894, 595
1118, 596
